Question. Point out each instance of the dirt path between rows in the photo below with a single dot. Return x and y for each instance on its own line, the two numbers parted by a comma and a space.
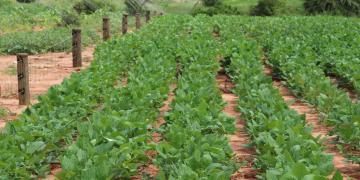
45, 70
312, 118
240, 139
150, 170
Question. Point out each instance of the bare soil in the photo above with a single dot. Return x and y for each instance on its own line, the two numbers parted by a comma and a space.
238, 141
45, 70
347, 169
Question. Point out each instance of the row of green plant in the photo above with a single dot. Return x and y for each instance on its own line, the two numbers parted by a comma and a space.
41, 135
284, 145
34, 141
195, 145
113, 143
298, 60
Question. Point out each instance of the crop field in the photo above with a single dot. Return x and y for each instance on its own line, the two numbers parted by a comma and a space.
222, 97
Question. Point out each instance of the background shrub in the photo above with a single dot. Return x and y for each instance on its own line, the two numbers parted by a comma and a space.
333, 7
25, 1
269, 8
91, 6
49, 40
69, 18
134, 6
211, 2
217, 9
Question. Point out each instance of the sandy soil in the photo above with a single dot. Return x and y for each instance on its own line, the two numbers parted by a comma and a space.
312, 118
46, 70
240, 139
150, 169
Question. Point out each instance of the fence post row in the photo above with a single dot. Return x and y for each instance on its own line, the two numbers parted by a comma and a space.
106, 28
124, 23
138, 21
76, 47
23, 79
147, 16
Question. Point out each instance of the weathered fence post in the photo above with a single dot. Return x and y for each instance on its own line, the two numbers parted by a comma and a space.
138, 22
23, 79
76, 47
161, 13
147, 16
124, 26
106, 28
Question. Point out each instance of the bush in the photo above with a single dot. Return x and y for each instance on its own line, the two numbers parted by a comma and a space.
333, 7
25, 1
49, 40
211, 2
217, 9
134, 6
268, 8
69, 18
90, 6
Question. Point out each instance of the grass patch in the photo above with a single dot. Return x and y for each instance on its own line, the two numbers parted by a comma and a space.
50, 40
3, 113
11, 70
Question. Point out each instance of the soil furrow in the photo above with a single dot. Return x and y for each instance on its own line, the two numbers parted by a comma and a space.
347, 169
240, 140
150, 170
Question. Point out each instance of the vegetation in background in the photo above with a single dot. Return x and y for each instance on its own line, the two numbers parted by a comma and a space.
213, 7
211, 2
50, 40
134, 6
91, 6
333, 7
269, 8
25, 1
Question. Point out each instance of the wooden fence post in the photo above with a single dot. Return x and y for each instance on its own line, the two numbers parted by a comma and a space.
106, 28
137, 21
76, 47
147, 16
124, 26
23, 79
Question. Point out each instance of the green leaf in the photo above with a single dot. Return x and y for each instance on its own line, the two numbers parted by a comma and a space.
299, 170
337, 176
35, 146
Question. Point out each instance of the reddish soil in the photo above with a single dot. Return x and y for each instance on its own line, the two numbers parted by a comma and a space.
347, 169
46, 70
150, 170
239, 140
